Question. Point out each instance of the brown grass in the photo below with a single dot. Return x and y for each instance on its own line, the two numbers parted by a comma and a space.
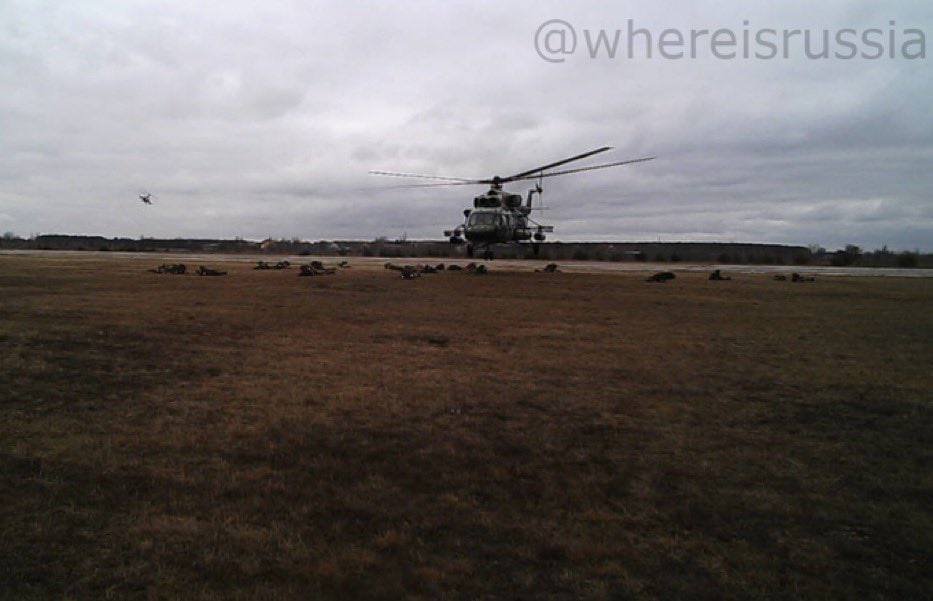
509, 436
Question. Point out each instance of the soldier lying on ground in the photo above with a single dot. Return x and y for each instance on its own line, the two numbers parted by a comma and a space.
717, 276
419, 268
279, 265
202, 270
410, 273
661, 276
311, 269
175, 268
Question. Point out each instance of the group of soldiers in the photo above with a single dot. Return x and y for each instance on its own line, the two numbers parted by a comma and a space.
794, 277
317, 268
717, 276
280, 265
410, 272
172, 268
182, 269
311, 269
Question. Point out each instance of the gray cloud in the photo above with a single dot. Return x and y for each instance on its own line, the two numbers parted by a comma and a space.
262, 119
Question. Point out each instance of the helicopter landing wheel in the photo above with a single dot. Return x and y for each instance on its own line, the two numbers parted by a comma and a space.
487, 255
470, 250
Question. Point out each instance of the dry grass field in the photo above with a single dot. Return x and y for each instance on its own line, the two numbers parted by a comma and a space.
513, 436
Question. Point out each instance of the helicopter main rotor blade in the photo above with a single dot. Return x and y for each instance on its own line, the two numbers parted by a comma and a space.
535, 173
578, 170
461, 180
407, 186
524, 174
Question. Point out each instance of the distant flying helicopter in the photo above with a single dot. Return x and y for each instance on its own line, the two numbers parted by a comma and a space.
498, 217
146, 198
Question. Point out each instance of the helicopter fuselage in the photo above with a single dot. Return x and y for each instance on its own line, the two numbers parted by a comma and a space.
497, 217
493, 226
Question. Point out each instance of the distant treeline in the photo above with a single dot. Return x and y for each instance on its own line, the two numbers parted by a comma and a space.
702, 252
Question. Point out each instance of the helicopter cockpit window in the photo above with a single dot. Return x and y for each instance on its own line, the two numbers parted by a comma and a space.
482, 218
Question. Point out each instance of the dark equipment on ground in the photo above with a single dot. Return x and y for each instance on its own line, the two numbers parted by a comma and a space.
499, 217
202, 270
661, 276
173, 268
717, 276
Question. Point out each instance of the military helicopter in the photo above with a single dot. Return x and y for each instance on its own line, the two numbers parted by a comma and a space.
146, 198
499, 217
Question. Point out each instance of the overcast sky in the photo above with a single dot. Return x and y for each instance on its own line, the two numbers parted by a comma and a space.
259, 119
